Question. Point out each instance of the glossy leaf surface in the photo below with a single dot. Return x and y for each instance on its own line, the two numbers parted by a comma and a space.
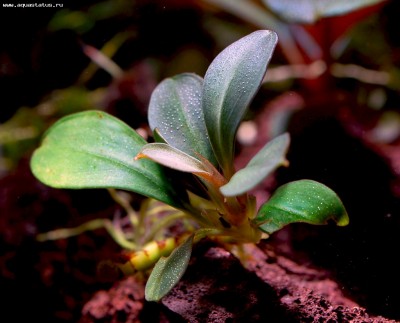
95, 150
176, 111
309, 11
301, 201
230, 84
168, 271
269, 158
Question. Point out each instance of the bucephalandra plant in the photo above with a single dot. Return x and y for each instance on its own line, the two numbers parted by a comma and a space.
189, 166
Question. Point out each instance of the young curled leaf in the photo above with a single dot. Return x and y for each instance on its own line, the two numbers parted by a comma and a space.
171, 157
301, 201
168, 271
174, 158
269, 158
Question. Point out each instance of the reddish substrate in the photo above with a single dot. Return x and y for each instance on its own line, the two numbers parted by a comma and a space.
218, 288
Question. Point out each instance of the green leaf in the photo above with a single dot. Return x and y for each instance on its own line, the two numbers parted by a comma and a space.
95, 150
260, 166
171, 157
230, 84
158, 136
301, 201
309, 11
168, 271
175, 110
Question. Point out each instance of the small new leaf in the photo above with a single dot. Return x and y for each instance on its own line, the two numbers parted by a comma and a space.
172, 157
260, 166
168, 271
301, 201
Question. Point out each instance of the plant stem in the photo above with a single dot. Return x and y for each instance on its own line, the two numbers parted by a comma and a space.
95, 224
123, 201
164, 223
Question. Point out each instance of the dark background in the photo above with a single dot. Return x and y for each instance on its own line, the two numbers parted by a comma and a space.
338, 136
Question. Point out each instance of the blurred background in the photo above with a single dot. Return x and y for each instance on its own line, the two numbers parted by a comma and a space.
333, 83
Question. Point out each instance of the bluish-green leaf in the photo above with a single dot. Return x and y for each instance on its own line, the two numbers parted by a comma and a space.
168, 271
175, 110
95, 150
309, 11
301, 201
230, 84
260, 166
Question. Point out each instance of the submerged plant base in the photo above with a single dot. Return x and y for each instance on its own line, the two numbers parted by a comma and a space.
272, 287
50, 285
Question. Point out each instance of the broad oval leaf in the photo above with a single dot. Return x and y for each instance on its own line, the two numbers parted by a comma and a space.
230, 84
309, 11
175, 110
168, 271
269, 158
301, 201
93, 149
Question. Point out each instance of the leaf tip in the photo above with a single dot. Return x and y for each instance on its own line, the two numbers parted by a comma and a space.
140, 155
343, 220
